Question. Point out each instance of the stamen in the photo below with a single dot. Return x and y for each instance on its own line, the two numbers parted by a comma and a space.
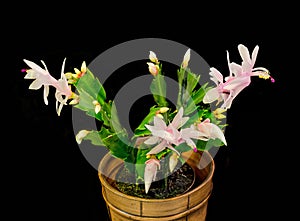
264, 73
260, 69
23, 70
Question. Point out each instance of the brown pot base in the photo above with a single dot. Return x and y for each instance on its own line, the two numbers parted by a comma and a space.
190, 206
197, 213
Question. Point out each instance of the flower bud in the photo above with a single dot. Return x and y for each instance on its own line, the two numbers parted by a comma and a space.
218, 113
153, 69
173, 161
82, 71
80, 135
68, 75
97, 106
163, 110
186, 58
152, 57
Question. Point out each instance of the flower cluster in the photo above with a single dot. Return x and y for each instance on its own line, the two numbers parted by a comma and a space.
166, 131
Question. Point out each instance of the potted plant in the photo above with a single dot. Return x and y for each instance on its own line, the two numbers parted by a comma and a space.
164, 171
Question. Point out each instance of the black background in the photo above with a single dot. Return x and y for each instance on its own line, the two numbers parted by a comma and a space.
49, 178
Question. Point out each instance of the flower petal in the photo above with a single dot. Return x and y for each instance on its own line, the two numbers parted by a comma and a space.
151, 140
150, 172
254, 54
159, 123
46, 93
161, 146
178, 121
236, 69
35, 67
216, 132
216, 75
244, 53
173, 161
211, 95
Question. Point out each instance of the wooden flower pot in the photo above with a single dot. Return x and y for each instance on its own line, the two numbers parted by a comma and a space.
191, 206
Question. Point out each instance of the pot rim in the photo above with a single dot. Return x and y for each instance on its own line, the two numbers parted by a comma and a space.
189, 192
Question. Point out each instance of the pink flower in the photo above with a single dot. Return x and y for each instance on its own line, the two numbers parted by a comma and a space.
210, 131
239, 78
202, 131
188, 134
166, 135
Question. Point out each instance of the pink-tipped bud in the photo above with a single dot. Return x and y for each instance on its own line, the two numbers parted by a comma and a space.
153, 68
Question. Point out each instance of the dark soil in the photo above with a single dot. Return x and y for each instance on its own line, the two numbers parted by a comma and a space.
182, 179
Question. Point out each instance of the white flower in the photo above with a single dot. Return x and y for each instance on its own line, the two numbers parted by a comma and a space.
43, 78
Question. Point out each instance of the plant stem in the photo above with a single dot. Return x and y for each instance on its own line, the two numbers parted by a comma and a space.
165, 174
